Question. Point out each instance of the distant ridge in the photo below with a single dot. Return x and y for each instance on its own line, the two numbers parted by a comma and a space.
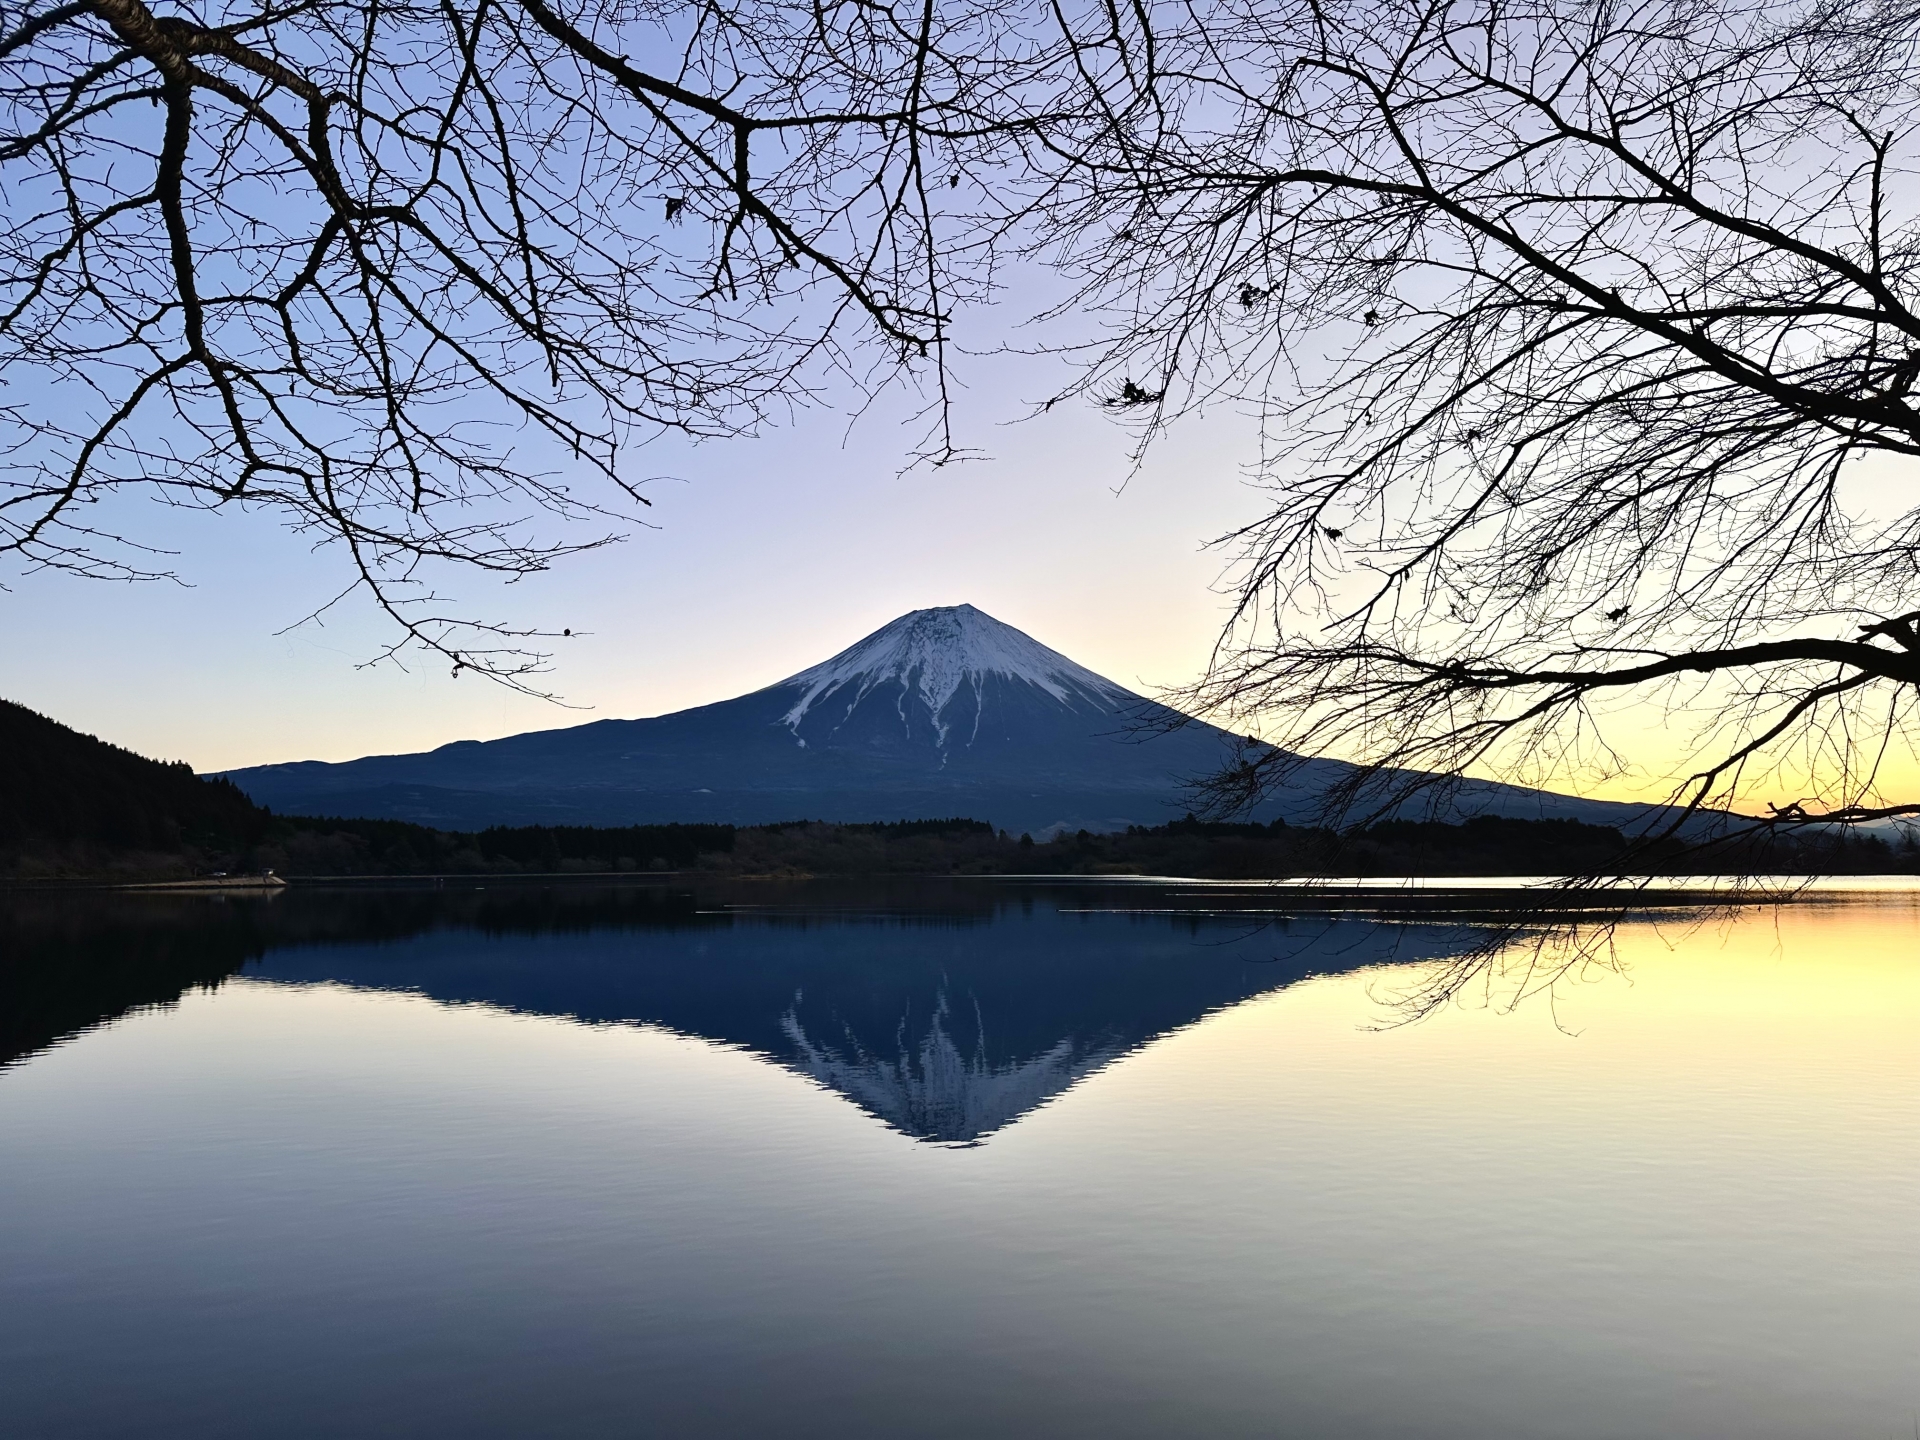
943, 711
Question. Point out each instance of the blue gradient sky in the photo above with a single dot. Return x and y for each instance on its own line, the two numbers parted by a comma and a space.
769, 555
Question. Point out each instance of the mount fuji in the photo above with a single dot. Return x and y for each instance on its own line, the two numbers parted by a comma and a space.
942, 712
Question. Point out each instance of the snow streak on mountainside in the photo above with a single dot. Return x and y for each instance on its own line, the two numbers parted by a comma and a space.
932, 655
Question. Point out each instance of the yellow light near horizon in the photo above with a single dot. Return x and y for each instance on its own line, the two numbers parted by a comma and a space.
1803, 996
1660, 755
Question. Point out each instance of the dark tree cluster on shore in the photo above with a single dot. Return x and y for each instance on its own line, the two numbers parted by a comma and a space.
1484, 846
1487, 845
71, 797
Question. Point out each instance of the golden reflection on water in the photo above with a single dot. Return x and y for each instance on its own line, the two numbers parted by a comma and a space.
1808, 999
1690, 1208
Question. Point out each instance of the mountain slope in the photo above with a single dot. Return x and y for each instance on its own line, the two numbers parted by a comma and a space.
942, 712
60, 787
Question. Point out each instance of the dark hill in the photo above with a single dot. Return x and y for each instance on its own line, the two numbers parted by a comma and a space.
60, 788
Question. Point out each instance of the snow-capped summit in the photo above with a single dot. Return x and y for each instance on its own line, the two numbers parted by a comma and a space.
932, 656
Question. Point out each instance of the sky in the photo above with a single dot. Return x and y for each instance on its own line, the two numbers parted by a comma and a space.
765, 556
760, 557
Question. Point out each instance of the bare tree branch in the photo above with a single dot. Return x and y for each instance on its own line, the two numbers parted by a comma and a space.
1564, 322
416, 277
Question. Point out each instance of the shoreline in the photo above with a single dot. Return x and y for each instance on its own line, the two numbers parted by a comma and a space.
1561, 892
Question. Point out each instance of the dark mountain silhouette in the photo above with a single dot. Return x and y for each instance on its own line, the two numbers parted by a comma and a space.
942, 712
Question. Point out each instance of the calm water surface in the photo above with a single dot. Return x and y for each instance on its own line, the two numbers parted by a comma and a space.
947, 1161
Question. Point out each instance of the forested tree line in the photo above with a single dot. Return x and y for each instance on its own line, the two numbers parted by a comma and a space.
1483, 846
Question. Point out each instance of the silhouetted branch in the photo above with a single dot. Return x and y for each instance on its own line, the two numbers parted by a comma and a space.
1562, 323
321, 259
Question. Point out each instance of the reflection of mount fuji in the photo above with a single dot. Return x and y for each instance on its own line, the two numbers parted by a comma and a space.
945, 1023
947, 1015
941, 1091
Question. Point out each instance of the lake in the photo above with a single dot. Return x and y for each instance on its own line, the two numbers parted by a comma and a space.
953, 1159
